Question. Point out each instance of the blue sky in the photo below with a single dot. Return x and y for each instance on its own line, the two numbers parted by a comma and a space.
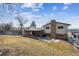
42, 13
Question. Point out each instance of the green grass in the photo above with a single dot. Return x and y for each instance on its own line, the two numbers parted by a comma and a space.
28, 46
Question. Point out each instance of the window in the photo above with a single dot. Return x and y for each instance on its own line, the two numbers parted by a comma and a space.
47, 27
60, 27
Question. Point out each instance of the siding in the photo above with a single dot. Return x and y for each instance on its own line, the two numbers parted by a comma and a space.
61, 31
58, 31
47, 30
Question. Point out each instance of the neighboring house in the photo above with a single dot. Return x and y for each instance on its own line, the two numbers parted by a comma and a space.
12, 31
73, 30
32, 30
52, 30
73, 37
2, 25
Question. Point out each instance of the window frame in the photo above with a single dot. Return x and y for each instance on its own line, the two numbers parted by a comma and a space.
47, 27
60, 27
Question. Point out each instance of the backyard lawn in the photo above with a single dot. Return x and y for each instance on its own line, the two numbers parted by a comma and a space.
18, 45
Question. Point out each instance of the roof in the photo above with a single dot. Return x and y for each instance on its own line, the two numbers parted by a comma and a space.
74, 30
33, 29
59, 23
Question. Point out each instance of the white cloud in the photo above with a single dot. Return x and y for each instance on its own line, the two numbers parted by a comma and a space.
35, 9
40, 5
30, 16
54, 8
45, 15
65, 7
52, 14
36, 6
75, 17
74, 21
67, 4
28, 5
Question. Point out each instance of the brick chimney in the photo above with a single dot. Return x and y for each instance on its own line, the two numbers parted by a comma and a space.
53, 29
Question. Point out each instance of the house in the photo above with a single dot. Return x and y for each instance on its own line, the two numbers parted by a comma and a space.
53, 30
56, 29
73, 37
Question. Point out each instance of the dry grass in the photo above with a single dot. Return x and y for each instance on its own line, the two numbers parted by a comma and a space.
27, 46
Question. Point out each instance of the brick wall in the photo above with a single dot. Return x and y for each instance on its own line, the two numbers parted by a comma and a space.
53, 29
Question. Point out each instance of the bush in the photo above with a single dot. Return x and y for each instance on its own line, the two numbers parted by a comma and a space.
53, 36
62, 36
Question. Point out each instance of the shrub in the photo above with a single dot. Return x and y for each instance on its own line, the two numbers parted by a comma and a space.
62, 36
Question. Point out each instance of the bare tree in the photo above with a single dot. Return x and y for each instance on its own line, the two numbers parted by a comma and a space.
21, 20
7, 27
